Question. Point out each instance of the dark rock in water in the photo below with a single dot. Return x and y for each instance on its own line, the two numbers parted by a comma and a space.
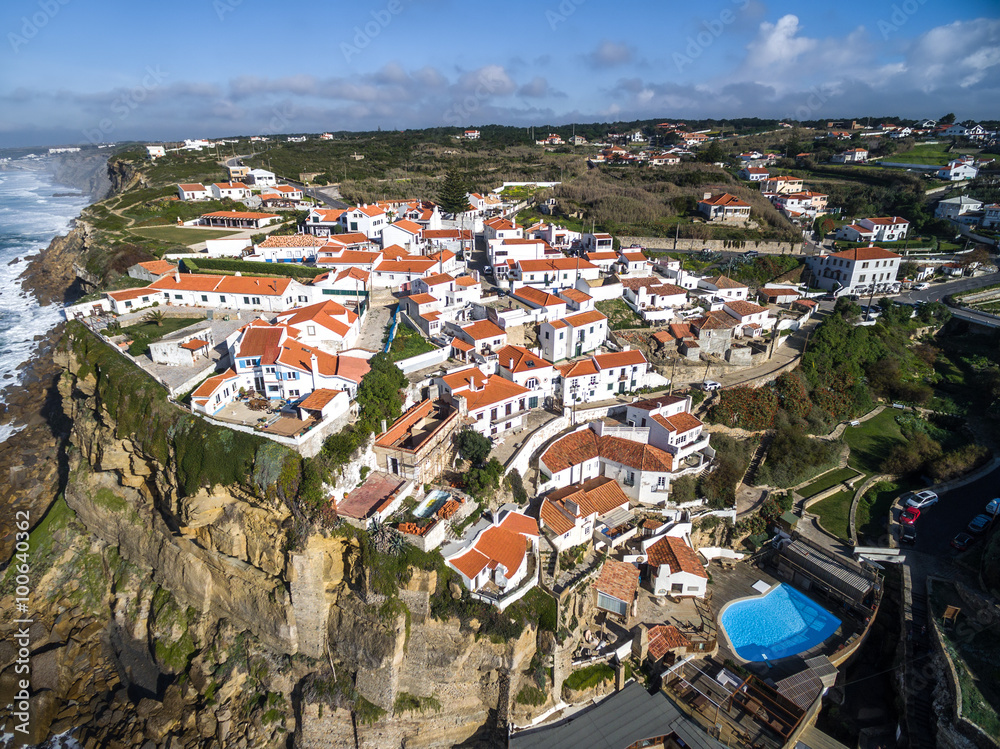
67, 195
14, 261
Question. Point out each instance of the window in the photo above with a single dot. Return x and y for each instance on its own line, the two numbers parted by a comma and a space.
531, 384
256, 300
178, 296
293, 393
273, 389
291, 375
608, 603
246, 300
222, 299
611, 386
661, 482
593, 379
204, 297
546, 335
311, 329
128, 304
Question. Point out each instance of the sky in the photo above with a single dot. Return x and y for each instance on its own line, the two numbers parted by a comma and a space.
93, 71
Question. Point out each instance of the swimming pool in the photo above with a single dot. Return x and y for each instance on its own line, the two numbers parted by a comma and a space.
431, 504
780, 623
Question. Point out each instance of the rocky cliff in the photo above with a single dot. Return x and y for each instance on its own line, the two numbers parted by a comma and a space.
198, 618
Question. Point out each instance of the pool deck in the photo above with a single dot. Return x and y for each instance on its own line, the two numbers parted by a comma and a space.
729, 585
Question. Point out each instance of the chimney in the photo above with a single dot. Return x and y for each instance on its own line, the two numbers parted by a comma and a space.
511, 366
384, 428
640, 643
573, 507
177, 276
707, 196
238, 274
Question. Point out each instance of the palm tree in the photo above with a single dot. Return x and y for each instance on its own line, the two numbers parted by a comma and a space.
156, 317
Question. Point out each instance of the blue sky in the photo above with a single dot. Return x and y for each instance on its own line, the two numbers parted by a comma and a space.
91, 70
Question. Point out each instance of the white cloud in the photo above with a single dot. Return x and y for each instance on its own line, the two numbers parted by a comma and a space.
610, 54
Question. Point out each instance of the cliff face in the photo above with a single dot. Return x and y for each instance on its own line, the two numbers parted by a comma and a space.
205, 585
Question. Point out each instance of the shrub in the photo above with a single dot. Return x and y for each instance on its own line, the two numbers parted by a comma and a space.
473, 446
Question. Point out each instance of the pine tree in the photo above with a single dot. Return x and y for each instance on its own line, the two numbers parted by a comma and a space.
453, 196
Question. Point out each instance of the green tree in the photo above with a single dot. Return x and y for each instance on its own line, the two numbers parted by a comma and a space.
156, 317
454, 194
948, 119
712, 154
473, 446
379, 394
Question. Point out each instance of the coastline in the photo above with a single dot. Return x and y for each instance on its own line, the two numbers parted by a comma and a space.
32, 461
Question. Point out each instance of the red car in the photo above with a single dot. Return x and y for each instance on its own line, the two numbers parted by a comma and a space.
909, 516
962, 541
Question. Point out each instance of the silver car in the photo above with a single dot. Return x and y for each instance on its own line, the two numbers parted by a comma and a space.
920, 500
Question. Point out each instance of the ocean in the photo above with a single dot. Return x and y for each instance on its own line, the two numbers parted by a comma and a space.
31, 215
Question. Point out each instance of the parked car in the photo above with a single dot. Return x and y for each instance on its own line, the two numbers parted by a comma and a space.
909, 516
908, 535
921, 286
920, 500
751, 253
980, 523
993, 507
962, 541
710, 385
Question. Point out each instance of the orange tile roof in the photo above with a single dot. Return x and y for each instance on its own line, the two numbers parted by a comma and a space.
158, 267
438, 278
554, 264
888, 220
447, 234
408, 226
351, 237
654, 285
466, 281
636, 455
461, 345
679, 422
619, 580
260, 341
350, 257
620, 359
404, 423
636, 257
865, 253
329, 215
368, 210
286, 188
191, 187
482, 330
596, 256
651, 404
717, 320
585, 318
496, 390
231, 186
239, 214
293, 240
575, 295
571, 450
464, 378
411, 264
209, 386
496, 546
319, 398
299, 356
724, 282
676, 554
517, 522
523, 360
579, 368
725, 199
743, 309
422, 298
664, 638
532, 295
194, 344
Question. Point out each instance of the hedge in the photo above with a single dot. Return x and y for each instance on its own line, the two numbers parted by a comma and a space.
249, 268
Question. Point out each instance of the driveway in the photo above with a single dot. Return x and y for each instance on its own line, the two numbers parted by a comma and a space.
372, 335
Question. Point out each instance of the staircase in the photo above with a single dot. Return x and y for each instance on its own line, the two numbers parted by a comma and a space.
758, 457
920, 721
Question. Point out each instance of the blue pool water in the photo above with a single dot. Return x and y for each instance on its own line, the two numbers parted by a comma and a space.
432, 502
781, 623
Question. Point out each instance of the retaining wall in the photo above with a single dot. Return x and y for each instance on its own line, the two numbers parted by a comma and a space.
765, 247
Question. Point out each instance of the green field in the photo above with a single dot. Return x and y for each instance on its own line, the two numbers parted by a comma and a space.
181, 234
620, 315
834, 513
827, 480
146, 332
871, 442
933, 154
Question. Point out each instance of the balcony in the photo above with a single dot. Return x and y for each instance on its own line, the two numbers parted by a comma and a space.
502, 417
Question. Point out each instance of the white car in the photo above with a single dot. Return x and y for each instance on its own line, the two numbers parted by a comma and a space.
920, 500
710, 385
993, 507
921, 286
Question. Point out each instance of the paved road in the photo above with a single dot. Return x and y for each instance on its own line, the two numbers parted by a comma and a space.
313, 192
952, 514
937, 292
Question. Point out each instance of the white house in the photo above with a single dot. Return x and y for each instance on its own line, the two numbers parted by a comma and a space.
754, 173
574, 335
991, 216
854, 271
551, 307
651, 292
878, 229
752, 318
633, 261
202, 290
405, 233
232, 190
261, 178
724, 287
498, 555
327, 325
851, 156
553, 274
289, 248
492, 404
600, 377
958, 170
324, 221
724, 207
573, 513
155, 152
955, 208
369, 220
597, 242
675, 569
471, 135
517, 364
193, 191
501, 228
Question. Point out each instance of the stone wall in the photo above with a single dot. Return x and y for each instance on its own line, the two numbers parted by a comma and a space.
716, 245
